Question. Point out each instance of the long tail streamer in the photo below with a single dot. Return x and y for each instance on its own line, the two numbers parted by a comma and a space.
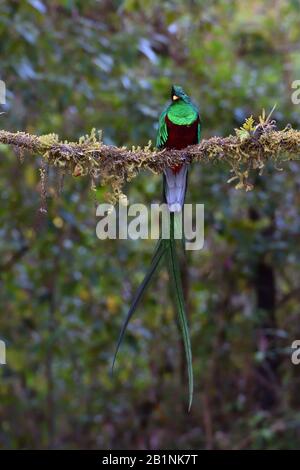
165, 248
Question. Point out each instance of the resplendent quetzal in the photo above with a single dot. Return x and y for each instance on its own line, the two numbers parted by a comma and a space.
179, 126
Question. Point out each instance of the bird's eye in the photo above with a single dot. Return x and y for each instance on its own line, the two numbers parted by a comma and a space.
174, 98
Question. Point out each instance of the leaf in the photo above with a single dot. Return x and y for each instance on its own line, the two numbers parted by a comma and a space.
145, 47
242, 134
262, 117
271, 112
38, 5
105, 62
249, 124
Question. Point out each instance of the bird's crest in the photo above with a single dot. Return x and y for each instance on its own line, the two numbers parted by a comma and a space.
177, 92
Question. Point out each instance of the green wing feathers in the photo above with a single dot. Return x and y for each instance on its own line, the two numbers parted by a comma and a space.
162, 134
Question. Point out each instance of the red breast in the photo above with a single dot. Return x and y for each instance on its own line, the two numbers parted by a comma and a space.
179, 137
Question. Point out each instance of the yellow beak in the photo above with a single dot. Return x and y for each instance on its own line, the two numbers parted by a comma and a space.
174, 98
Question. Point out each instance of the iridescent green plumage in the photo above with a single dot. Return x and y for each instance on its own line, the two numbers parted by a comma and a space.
182, 112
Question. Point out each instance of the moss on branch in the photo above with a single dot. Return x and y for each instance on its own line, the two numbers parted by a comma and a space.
250, 148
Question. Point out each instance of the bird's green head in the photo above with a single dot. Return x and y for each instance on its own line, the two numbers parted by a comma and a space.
178, 93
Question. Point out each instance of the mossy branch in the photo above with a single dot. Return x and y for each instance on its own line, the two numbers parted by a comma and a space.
250, 148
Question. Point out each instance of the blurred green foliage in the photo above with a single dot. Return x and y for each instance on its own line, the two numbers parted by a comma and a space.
70, 65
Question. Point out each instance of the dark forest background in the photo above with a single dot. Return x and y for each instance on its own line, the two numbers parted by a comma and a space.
69, 66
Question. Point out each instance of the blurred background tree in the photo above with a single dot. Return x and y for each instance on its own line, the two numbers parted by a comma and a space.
70, 65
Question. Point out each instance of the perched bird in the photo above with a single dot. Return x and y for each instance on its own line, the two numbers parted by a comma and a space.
179, 126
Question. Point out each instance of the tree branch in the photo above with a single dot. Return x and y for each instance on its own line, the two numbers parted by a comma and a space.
250, 148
